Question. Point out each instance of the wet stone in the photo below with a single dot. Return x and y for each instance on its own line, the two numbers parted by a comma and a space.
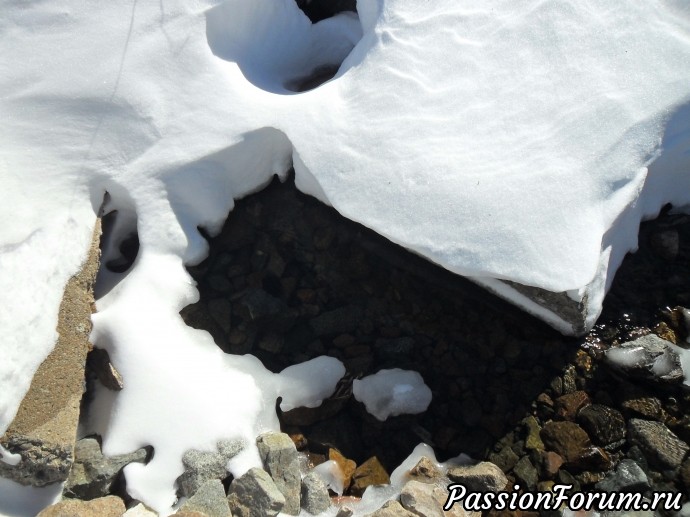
532, 429
645, 407
526, 473
315, 498
567, 439
567, 406
602, 423
481, 477
505, 459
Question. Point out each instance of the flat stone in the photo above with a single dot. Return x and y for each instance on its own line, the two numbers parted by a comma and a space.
603, 424
628, 477
210, 500
140, 510
93, 474
392, 509
110, 506
279, 456
255, 495
371, 472
427, 500
201, 466
315, 498
649, 408
482, 477
44, 429
662, 448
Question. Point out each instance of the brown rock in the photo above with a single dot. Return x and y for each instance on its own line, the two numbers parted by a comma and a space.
371, 472
567, 439
568, 405
110, 506
646, 407
425, 470
347, 467
44, 430
551, 463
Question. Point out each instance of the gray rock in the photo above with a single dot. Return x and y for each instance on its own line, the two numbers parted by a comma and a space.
209, 499
603, 424
427, 500
526, 473
255, 495
315, 498
281, 461
648, 357
662, 448
345, 511
93, 474
392, 509
42, 463
200, 466
505, 459
628, 477
482, 477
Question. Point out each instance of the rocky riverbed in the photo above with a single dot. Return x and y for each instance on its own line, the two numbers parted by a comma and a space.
289, 279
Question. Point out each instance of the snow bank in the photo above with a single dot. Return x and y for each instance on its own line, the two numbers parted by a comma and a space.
503, 142
392, 392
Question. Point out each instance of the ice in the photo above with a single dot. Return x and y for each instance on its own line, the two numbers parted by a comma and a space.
504, 142
392, 392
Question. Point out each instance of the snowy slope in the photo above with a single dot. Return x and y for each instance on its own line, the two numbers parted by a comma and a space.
501, 140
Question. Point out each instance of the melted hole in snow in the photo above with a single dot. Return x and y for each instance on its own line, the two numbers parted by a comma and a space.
276, 45
119, 248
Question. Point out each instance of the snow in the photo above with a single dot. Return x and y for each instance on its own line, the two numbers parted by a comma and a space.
503, 142
392, 392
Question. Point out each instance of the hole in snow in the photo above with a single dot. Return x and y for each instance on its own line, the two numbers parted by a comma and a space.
318, 10
119, 245
276, 45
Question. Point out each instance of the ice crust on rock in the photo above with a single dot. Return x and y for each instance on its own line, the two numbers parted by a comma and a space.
392, 392
504, 142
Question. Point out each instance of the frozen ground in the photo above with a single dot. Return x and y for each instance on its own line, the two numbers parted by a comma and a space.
510, 142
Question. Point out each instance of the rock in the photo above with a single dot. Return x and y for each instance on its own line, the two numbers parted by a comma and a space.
267, 311
280, 459
221, 310
505, 459
140, 510
345, 511
110, 506
532, 439
98, 363
315, 498
255, 495
551, 463
649, 358
526, 473
567, 439
347, 467
201, 466
568, 405
425, 471
662, 448
649, 408
685, 473
482, 477
427, 500
93, 474
602, 423
44, 429
392, 509
394, 348
628, 477
209, 499
339, 321
666, 244
371, 472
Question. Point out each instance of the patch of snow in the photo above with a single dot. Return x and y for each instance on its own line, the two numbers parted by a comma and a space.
392, 392
26, 501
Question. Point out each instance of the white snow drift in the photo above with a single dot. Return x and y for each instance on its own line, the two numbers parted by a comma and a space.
392, 392
502, 140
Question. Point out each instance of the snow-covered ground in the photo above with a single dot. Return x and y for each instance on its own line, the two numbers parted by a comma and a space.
501, 140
